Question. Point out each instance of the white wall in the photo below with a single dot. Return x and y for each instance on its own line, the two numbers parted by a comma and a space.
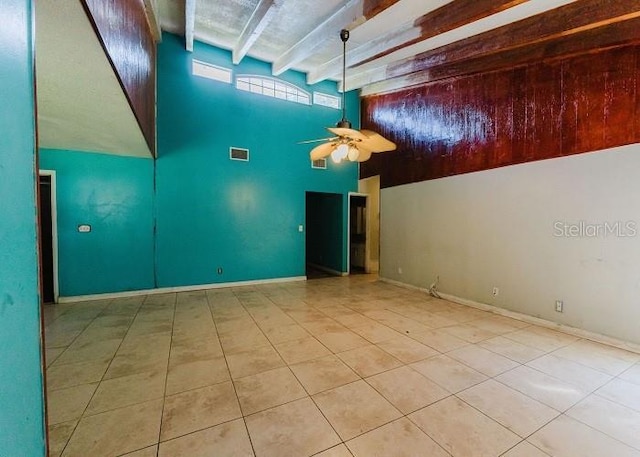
371, 187
496, 229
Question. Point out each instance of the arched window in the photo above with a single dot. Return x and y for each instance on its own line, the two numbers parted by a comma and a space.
272, 87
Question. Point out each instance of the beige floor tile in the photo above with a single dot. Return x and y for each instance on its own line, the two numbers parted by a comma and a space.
51, 354
580, 375
632, 374
525, 449
499, 324
255, 361
301, 350
608, 417
440, 340
566, 437
151, 451
514, 410
127, 390
469, 333
187, 351
448, 373
407, 350
90, 351
68, 404
268, 389
546, 389
622, 392
376, 332
198, 409
325, 373
285, 333
407, 389
192, 375
342, 341
400, 438
74, 374
116, 432
463, 431
337, 451
483, 360
244, 340
355, 408
369, 360
136, 363
599, 357
511, 349
59, 435
540, 338
295, 429
225, 440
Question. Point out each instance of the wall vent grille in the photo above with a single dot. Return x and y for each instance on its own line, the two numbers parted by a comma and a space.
320, 164
239, 154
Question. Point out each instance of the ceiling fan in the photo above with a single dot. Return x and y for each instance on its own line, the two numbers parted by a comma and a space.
348, 143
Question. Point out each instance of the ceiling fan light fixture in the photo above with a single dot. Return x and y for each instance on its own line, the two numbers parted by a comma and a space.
340, 153
353, 153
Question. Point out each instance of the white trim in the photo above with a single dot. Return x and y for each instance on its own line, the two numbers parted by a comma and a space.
366, 243
331, 271
54, 230
166, 290
580, 333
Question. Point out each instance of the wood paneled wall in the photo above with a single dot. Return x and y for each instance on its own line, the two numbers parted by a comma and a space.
123, 30
487, 120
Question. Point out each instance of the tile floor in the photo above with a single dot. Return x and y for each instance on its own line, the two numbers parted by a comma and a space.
333, 367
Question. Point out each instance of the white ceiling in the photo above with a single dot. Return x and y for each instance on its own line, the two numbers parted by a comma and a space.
81, 105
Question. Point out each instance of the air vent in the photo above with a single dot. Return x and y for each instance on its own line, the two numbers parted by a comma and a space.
239, 154
320, 164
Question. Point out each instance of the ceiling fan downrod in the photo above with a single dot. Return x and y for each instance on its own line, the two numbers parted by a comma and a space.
344, 123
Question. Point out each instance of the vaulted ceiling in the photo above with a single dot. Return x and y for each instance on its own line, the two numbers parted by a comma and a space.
397, 43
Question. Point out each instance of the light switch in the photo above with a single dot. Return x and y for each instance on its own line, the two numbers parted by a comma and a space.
300, 228
84, 228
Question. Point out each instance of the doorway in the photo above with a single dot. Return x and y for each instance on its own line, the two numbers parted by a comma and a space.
48, 237
324, 234
358, 246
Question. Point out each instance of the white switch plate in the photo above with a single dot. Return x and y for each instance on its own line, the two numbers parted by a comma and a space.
559, 306
300, 228
496, 291
84, 228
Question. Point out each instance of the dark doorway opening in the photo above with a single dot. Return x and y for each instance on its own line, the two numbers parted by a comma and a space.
357, 234
324, 235
46, 240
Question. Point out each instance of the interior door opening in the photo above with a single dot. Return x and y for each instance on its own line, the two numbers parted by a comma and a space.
358, 252
48, 238
324, 235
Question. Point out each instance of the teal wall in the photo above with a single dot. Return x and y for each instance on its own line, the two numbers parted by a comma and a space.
176, 221
240, 216
114, 195
21, 392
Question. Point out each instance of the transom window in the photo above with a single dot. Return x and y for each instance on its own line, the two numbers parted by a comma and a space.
272, 87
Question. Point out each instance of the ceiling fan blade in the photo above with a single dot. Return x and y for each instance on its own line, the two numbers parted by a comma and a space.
376, 142
365, 154
347, 133
317, 141
322, 151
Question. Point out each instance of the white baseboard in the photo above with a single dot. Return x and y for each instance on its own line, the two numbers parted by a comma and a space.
331, 271
165, 290
580, 333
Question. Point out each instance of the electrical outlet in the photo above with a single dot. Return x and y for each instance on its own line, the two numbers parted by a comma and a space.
496, 291
559, 306
399, 270
219, 270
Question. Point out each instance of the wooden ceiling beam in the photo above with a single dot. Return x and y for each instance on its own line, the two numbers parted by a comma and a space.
607, 36
259, 20
351, 12
190, 23
451, 16
553, 24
